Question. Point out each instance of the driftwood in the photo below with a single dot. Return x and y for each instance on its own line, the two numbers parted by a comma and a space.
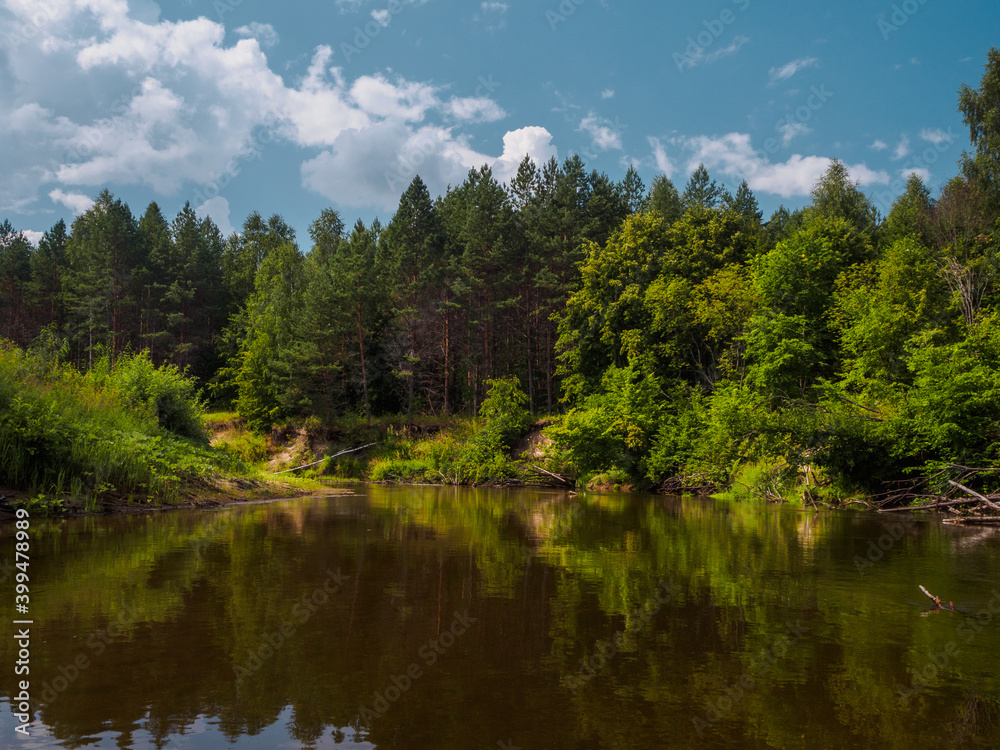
937, 600
973, 521
978, 508
931, 506
976, 495
306, 466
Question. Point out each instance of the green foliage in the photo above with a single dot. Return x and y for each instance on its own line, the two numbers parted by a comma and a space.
613, 428
504, 411
88, 436
980, 110
163, 394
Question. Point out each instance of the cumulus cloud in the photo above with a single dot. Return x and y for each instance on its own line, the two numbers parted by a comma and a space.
734, 157
902, 149
789, 69
608, 94
217, 209
32, 236
190, 109
922, 172
384, 158
879, 145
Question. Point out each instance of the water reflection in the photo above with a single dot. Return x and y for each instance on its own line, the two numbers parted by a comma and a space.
458, 618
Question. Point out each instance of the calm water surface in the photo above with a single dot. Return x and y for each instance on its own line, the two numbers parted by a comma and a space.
460, 618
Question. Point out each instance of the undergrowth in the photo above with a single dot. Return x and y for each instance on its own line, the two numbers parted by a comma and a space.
129, 430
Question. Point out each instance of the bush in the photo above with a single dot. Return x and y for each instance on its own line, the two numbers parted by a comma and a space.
163, 394
61, 431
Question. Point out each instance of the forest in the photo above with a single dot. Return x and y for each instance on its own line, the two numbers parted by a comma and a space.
674, 338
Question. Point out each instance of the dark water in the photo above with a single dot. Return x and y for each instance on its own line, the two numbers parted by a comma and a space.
456, 618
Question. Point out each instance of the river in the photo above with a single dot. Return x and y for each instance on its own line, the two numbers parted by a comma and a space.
423, 617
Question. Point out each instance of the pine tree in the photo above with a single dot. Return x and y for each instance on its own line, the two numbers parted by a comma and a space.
664, 200
15, 273
701, 192
48, 266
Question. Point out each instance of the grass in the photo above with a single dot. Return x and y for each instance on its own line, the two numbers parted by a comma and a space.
71, 438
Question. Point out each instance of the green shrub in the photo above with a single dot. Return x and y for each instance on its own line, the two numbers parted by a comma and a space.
163, 394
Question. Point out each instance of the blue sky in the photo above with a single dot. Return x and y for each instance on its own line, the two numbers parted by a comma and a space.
242, 105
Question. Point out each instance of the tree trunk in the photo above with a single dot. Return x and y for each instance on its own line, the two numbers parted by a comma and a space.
364, 372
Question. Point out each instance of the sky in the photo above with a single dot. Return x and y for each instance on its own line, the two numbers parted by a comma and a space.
245, 105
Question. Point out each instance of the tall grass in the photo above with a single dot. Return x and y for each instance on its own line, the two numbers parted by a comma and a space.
132, 430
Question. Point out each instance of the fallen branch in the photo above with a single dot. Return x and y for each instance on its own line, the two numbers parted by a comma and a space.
564, 480
937, 600
306, 466
976, 495
930, 506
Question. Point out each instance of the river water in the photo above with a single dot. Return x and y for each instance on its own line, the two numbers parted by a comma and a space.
421, 617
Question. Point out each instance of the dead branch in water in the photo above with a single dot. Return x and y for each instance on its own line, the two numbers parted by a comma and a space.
937, 600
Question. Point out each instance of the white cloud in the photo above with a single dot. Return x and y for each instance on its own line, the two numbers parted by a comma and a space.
789, 69
217, 209
190, 110
382, 16
32, 236
78, 203
879, 145
381, 98
474, 109
663, 162
532, 141
262, 32
372, 167
935, 136
604, 134
608, 94
734, 157
792, 130
902, 149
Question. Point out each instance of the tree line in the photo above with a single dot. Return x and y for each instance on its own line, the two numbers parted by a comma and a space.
680, 333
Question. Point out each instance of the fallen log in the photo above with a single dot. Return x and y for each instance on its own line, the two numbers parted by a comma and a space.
976, 495
942, 504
